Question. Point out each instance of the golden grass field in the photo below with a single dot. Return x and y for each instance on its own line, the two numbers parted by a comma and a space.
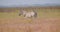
48, 20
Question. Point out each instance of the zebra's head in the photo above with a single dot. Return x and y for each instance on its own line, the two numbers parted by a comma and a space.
22, 12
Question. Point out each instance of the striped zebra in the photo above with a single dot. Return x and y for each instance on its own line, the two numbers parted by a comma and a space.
28, 14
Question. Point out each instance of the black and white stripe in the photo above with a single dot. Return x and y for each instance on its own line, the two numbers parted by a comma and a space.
28, 14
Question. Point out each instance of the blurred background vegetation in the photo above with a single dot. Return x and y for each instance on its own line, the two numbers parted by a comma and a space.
42, 11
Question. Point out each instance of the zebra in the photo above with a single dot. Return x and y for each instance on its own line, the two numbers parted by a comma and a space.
28, 14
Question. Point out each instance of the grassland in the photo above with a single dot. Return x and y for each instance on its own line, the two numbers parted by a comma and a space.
41, 13
48, 20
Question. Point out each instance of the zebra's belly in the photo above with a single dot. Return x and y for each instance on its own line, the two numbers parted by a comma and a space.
29, 14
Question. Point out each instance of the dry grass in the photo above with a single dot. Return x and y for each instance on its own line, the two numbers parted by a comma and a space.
47, 21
